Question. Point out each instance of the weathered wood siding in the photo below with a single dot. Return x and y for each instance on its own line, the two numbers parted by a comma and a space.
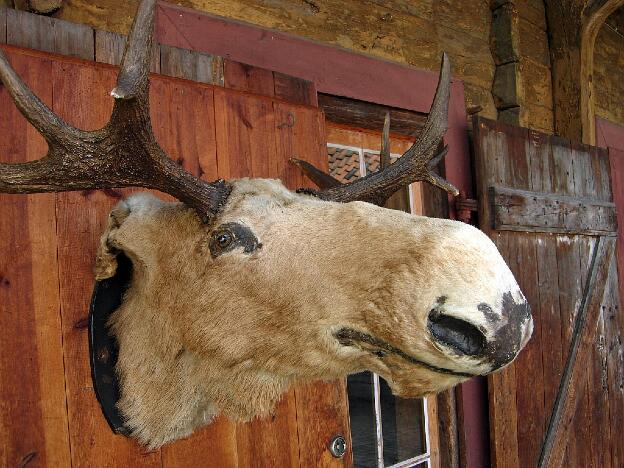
48, 412
608, 66
551, 269
410, 32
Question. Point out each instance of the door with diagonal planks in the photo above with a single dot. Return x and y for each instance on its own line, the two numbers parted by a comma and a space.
547, 204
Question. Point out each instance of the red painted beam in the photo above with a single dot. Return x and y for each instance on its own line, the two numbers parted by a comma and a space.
333, 70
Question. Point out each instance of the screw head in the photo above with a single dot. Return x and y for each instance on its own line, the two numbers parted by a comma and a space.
338, 446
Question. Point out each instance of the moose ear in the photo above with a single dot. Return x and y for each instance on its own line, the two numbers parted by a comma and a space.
106, 259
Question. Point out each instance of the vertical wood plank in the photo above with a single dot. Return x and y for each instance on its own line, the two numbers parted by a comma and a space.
29, 31
585, 423
109, 48
493, 166
295, 90
568, 257
73, 39
245, 135
246, 147
33, 416
529, 371
539, 153
3, 18
614, 325
183, 121
502, 396
190, 65
49, 34
300, 133
321, 407
81, 97
614, 320
573, 388
248, 78
273, 441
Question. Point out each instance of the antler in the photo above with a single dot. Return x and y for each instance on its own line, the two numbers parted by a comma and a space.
122, 154
416, 164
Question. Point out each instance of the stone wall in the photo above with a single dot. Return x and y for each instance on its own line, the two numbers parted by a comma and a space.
414, 32
609, 69
406, 31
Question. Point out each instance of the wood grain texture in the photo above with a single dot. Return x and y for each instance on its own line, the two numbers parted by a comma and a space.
295, 90
574, 380
190, 65
248, 78
305, 139
523, 210
529, 363
551, 270
496, 168
3, 16
30, 31
183, 121
49, 34
369, 116
322, 414
109, 48
33, 418
245, 135
614, 321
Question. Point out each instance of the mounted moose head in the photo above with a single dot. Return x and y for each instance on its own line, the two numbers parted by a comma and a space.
246, 287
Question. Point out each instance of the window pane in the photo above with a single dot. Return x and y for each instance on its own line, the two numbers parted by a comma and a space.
362, 418
403, 426
344, 164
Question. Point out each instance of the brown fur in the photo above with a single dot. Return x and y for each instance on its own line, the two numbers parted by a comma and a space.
200, 335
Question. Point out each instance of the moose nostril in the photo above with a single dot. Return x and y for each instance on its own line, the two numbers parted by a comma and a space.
457, 333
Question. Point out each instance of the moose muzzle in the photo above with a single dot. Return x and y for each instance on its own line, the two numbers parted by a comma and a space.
509, 332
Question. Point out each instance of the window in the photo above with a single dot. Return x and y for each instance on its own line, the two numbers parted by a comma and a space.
386, 431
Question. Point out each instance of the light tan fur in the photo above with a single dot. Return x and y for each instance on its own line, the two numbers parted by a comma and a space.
200, 336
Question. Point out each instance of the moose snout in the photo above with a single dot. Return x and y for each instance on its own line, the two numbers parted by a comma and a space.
460, 335
509, 331
513, 331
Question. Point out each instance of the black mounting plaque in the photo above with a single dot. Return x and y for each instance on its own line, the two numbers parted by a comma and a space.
103, 349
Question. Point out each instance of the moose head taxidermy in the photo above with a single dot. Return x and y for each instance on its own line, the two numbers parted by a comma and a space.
244, 287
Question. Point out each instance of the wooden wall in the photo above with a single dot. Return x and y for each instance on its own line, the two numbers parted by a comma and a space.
405, 31
608, 66
48, 412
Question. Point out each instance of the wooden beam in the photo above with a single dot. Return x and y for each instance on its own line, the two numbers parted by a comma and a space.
572, 29
574, 378
526, 211
370, 116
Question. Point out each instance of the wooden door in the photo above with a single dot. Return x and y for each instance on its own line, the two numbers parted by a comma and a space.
48, 412
546, 202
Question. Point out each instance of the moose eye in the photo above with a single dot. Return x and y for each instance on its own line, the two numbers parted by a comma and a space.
224, 239
230, 236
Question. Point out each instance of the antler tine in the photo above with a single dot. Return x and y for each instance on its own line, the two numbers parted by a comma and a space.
320, 178
133, 78
416, 164
384, 154
122, 154
36, 112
